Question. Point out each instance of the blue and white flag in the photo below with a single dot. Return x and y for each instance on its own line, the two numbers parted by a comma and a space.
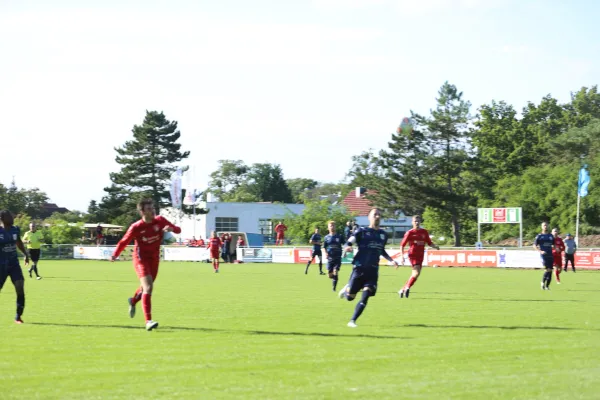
176, 189
584, 181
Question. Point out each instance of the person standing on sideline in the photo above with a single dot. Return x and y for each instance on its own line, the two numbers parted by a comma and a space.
33, 240
99, 235
544, 243
559, 247
280, 229
570, 249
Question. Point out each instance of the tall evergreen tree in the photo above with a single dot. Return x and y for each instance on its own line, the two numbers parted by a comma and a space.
147, 163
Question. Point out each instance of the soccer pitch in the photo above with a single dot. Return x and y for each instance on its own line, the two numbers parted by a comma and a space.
267, 331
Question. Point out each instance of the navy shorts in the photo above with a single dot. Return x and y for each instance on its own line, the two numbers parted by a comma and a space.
12, 269
316, 253
334, 264
363, 278
548, 262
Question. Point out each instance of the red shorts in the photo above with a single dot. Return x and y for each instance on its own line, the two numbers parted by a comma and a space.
280, 236
415, 260
557, 259
146, 266
214, 254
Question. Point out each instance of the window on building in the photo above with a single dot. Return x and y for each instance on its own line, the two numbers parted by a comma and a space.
226, 224
265, 227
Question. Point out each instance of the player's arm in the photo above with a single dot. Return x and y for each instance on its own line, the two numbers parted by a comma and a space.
536, 244
385, 255
169, 226
430, 243
129, 235
21, 247
26, 237
352, 240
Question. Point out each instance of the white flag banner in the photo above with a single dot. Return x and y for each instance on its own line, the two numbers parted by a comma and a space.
190, 197
176, 189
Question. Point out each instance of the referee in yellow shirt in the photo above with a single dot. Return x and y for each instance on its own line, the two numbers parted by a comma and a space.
33, 240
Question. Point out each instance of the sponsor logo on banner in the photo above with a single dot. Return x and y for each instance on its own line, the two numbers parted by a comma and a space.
283, 255
519, 259
92, 253
461, 258
587, 259
185, 254
257, 255
302, 255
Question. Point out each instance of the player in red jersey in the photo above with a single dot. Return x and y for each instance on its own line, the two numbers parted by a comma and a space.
147, 233
280, 228
559, 247
214, 245
416, 238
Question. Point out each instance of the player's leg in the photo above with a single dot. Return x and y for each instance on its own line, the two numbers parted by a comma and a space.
320, 255
16, 276
548, 263
335, 272
312, 257
35, 258
557, 268
416, 272
355, 283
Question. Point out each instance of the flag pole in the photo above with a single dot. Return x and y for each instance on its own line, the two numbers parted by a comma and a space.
577, 220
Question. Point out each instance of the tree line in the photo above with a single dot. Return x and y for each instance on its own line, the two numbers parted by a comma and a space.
452, 162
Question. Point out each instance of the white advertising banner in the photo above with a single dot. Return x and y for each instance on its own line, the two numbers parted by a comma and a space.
283, 255
519, 259
185, 254
92, 253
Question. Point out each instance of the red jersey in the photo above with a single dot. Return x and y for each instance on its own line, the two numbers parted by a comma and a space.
559, 245
241, 242
147, 235
416, 239
280, 228
214, 244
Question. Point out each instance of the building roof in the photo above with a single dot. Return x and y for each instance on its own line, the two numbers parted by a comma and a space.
359, 205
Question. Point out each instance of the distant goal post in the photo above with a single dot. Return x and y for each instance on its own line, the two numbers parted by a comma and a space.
504, 215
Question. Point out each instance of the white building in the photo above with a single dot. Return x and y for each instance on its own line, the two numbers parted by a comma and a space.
258, 218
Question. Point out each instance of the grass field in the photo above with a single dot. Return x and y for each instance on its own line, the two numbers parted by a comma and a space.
267, 331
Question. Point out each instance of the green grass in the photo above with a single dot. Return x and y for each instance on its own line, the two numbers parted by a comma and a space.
267, 331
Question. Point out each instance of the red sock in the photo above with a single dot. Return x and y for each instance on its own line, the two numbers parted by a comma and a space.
410, 282
137, 296
557, 273
147, 306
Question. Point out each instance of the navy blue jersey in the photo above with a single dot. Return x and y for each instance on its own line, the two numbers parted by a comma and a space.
316, 238
8, 243
333, 245
371, 245
545, 241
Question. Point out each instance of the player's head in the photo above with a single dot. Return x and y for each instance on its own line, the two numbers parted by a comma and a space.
7, 218
32, 227
569, 236
331, 227
544, 227
146, 208
375, 217
213, 234
555, 231
316, 229
417, 219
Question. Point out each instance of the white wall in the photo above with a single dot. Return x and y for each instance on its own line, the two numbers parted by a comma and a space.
248, 215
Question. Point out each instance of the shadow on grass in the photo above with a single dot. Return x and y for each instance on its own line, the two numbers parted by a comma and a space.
245, 332
501, 300
69, 279
502, 327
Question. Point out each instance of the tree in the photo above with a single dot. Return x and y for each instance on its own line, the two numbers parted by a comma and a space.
147, 163
227, 179
366, 170
266, 182
298, 187
316, 214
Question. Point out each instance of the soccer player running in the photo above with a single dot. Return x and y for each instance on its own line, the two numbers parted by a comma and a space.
416, 238
333, 246
10, 241
33, 239
371, 243
544, 243
214, 246
147, 234
559, 247
315, 240
280, 228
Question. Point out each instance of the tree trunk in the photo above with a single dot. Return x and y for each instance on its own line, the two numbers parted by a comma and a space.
455, 228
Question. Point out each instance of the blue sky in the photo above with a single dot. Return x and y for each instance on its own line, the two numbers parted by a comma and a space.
306, 85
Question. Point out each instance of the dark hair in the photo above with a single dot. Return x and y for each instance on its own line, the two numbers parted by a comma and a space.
143, 203
4, 213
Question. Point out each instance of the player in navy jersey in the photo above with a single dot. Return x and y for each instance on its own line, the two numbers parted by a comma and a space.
315, 240
544, 243
10, 241
333, 246
371, 243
